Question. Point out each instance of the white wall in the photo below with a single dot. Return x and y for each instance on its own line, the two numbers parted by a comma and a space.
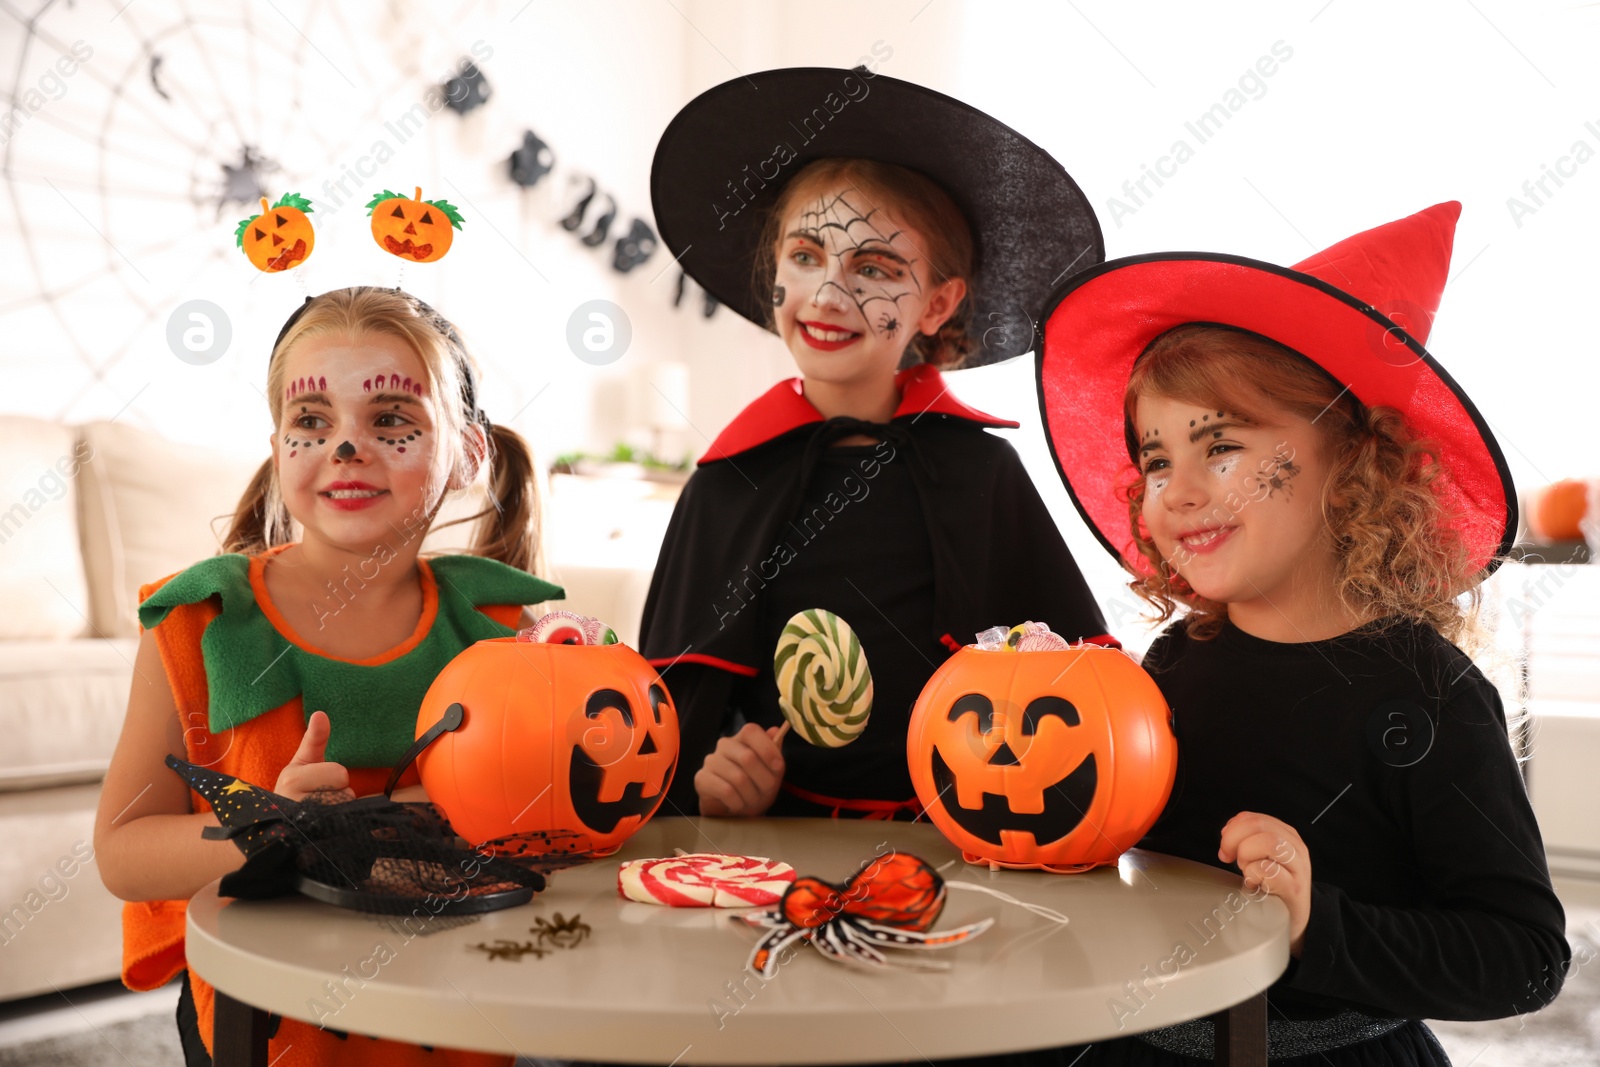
106, 224
96, 209
1382, 109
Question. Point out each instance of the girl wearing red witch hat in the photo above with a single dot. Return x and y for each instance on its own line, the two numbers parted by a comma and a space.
1275, 450
885, 233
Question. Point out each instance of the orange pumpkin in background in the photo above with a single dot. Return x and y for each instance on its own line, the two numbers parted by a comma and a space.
1556, 511
280, 237
416, 230
1056, 760
575, 738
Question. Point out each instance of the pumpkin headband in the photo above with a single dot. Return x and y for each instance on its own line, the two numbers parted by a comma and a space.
280, 237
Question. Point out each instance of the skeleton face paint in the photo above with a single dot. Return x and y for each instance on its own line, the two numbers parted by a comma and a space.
861, 282
355, 450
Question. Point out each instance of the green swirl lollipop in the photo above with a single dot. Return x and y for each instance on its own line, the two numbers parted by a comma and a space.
824, 685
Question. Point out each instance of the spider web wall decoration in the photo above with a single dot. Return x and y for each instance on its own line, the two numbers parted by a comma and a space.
134, 135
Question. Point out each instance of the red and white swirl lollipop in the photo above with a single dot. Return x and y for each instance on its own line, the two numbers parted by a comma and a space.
705, 880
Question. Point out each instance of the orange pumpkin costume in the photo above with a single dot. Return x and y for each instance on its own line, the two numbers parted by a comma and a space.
477, 596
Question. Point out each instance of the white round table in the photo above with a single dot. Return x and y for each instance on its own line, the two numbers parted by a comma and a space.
1151, 942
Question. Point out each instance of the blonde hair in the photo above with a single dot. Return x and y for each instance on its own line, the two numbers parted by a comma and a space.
916, 201
1398, 552
508, 530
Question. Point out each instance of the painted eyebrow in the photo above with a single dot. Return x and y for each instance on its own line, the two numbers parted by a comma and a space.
315, 397
815, 237
1205, 428
1151, 445
887, 253
386, 398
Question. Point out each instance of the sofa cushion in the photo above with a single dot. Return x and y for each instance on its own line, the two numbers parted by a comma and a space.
61, 709
150, 507
60, 926
42, 582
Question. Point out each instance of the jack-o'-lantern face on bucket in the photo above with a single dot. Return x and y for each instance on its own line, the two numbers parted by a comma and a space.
1026, 773
575, 738
618, 770
1059, 759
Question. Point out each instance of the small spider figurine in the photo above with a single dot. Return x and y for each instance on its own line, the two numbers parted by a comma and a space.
560, 932
548, 936
510, 950
889, 903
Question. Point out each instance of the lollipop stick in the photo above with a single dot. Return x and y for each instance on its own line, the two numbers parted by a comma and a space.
782, 730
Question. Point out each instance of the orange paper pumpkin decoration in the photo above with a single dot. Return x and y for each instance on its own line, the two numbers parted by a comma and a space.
1058, 760
280, 237
577, 738
416, 230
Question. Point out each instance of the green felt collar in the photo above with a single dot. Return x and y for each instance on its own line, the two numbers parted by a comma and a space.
252, 668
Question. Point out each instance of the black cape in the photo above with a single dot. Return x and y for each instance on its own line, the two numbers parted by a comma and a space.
997, 556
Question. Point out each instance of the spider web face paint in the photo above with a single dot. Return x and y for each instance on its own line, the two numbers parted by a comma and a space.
872, 261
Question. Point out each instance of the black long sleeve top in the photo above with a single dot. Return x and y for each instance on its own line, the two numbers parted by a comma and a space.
919, 541
1386, 749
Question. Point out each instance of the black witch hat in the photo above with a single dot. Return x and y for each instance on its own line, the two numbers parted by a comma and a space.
723, 161
370, 853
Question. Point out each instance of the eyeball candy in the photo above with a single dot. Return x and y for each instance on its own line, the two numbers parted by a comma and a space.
1035, 637
568, 628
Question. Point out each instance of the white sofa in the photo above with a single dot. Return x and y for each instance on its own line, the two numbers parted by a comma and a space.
88, 514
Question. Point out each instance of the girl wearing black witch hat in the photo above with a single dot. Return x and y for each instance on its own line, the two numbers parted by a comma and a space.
886, 233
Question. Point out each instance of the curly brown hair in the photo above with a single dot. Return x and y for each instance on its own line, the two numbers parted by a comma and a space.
918, 202
1398, 551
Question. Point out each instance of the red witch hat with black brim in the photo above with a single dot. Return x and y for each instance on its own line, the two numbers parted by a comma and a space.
724, 159
1360, 310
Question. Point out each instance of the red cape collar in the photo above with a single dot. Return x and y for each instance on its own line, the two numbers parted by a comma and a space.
784, 407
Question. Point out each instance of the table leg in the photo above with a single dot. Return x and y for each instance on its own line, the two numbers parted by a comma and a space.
1241, 1034
238, 1034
